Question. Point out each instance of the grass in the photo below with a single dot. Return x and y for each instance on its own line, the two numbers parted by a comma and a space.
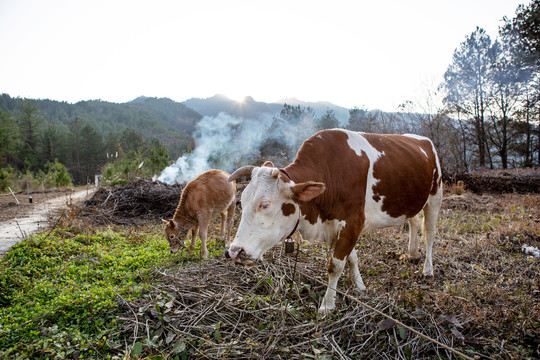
59, 292
104, 292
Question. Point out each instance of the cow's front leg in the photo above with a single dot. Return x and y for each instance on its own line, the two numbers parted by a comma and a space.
335, 267
344, 248
354, 272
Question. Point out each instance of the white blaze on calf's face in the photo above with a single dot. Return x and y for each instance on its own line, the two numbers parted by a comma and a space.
268, 213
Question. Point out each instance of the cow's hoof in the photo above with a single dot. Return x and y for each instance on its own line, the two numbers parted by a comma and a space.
428, 272
360, 286
326, 309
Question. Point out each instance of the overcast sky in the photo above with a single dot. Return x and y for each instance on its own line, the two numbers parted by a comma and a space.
375, 54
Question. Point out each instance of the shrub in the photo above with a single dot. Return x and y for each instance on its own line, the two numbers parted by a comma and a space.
5, 182
57, 175
457, 188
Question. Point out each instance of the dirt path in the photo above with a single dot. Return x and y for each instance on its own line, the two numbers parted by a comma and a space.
14, 230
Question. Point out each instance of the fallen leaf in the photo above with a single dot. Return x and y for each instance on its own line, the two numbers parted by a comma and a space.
451, 318
457, 334
386, 324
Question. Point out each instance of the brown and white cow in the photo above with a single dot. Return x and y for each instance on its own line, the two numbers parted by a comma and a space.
209, 193
341, 185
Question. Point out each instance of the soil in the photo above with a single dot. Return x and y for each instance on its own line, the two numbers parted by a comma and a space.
9, 209
20, 218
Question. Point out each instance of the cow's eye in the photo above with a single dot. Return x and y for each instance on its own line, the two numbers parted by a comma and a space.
264, 205
171, 236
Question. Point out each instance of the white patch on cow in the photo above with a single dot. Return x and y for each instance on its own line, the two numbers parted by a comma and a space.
417, 137
325, 232
352, 259
375, 217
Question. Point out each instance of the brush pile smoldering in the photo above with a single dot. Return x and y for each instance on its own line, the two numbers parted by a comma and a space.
136, 203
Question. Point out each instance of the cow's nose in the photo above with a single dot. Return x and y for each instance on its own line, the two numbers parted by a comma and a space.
233, 252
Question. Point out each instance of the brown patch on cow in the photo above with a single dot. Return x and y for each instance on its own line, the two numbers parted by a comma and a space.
406, 176
288, 209
331, 266
326, 157
376, 197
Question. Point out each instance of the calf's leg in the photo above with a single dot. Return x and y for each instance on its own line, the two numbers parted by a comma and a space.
194, 232
230, 220
222, 229
203, 231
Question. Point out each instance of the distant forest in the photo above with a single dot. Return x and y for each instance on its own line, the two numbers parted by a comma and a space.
89, 134
486, 113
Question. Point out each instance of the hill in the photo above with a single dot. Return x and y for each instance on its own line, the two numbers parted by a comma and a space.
252, 109
152, 117
247, 109
320, 108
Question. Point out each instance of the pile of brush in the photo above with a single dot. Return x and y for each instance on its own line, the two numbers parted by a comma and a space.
133, 204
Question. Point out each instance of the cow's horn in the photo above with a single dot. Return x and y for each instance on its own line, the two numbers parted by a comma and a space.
243, 171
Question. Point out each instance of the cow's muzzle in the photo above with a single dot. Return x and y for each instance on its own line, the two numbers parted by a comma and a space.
237, 254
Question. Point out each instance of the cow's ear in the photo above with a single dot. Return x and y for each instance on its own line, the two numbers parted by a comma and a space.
268, 164
165, 222
307, 191
172, 223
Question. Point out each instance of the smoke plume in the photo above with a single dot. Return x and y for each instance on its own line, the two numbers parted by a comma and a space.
226, 142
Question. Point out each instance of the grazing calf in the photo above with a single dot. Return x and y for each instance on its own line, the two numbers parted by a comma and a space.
341, 185
209, 193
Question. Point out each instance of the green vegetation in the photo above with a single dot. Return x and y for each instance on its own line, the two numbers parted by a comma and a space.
60, 293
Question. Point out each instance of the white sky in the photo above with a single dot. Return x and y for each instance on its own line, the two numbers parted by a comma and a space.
375, 54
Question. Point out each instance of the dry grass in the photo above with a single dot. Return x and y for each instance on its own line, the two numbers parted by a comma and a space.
483, 300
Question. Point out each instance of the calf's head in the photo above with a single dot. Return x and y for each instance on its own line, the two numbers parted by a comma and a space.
175, 234
270, 210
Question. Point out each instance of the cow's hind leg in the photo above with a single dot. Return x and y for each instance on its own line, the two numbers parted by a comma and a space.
414, 226
354, 272
431, 212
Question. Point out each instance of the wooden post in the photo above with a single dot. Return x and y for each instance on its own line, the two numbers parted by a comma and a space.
17, 200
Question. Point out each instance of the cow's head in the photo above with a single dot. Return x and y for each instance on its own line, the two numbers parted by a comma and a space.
175, 234
270, 210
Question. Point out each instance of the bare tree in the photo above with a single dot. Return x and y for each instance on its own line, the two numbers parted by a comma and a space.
465, 84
